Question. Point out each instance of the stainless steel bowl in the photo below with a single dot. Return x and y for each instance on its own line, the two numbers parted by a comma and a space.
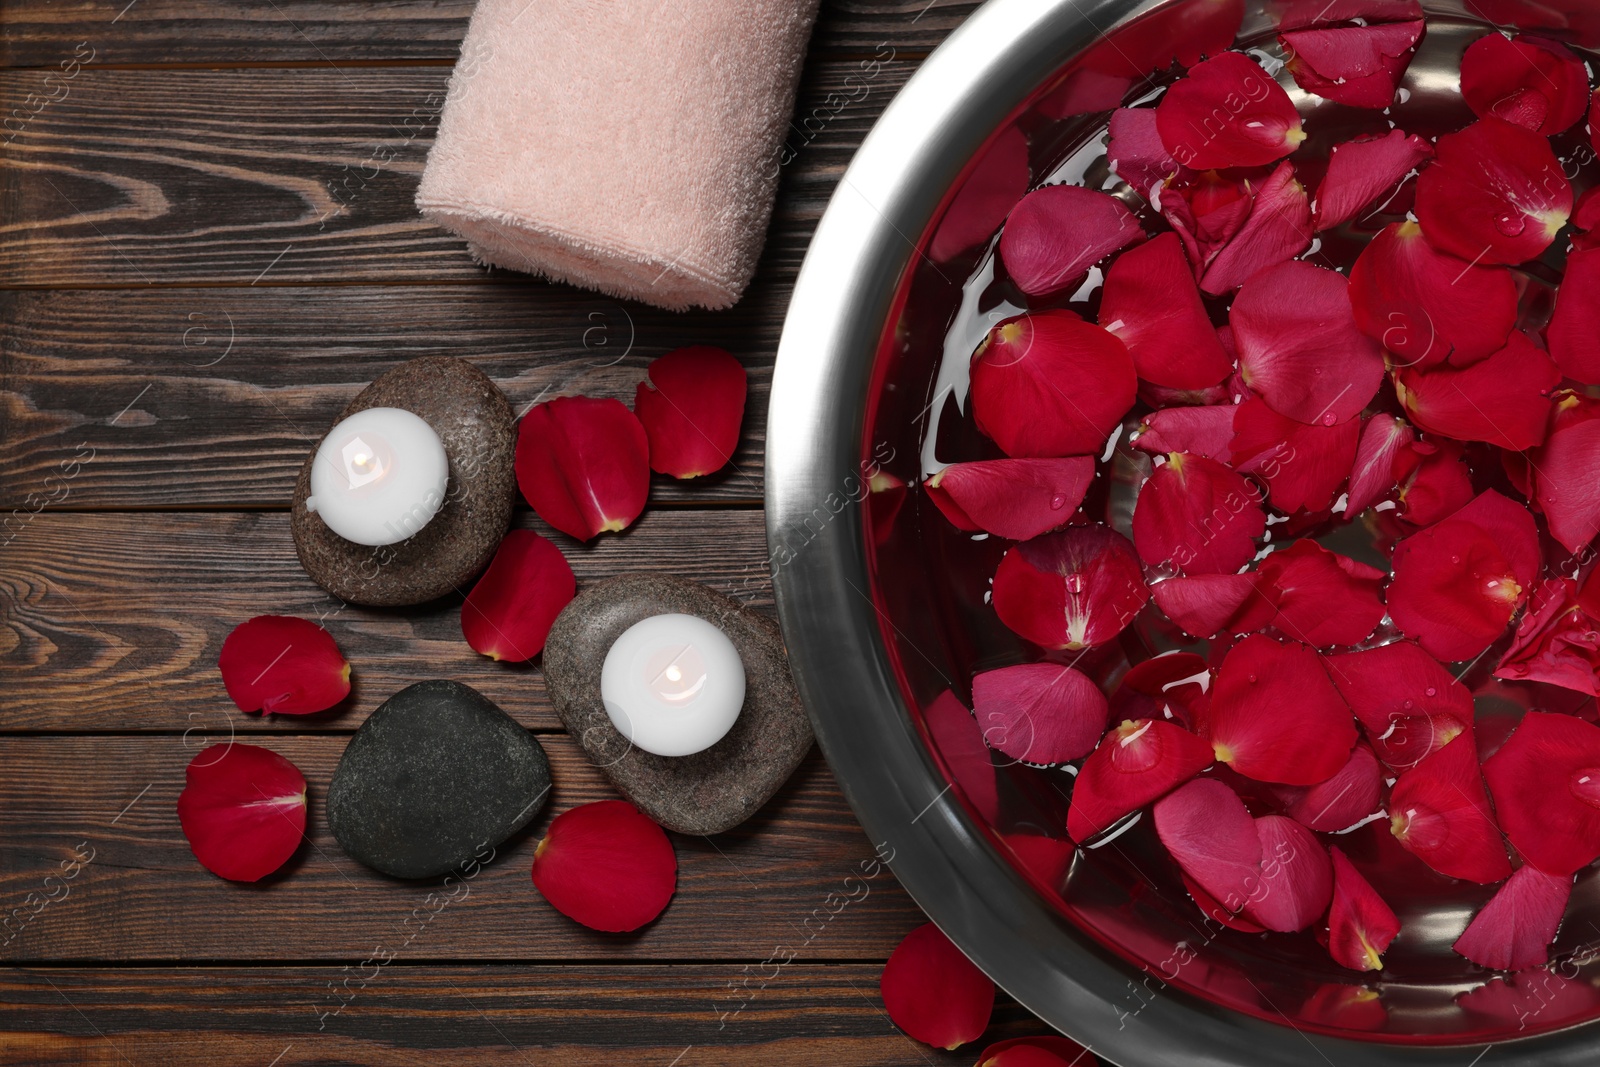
855, 391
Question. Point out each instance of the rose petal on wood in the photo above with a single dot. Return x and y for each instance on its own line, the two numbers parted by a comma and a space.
242, 809
583, 464
934, 993
606, 865
510, 610
282, 665
691, 410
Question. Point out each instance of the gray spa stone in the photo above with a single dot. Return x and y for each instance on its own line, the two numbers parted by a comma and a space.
710, 791
434, 779
475, 424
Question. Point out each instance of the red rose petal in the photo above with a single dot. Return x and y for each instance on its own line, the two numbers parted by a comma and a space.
998, 181
1213, 838
284, 666
933, 992
1039, 712
1566, 472
1530, 81
1435, 481
1228, 113
243, 809
1206, 216
1197, 515
1136, 153
1360, 925
1409, 705
1586, 215
1152, 304
1356, 65
1072, 589
1303, 466
1276, 717
1427, 306
1557, 641
1049, 384
1012, 498
1037, 1052
1440, 813
1214, 911
606, 866
1057, 233
1296, 876
1495, 194
1322, 598
1167, 684
1136, 763
1340, 802
1311, 14
1515, 928
1299, 348
1181, 32
510, 610
1546, 786
1503, 401
1574, 332
1278, 229
1373, 478
1362, 171
1206, 431
1209, 604
958, 742
691, 410
583, 464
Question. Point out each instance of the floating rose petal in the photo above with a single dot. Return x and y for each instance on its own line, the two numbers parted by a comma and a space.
1151, 303
1037, 1052
996, 184
1363, 171
1566, 472
1435, 481
1228, 113
1356, 65
1503, 401
1296, 877
583, 464
1136, 763
1057, 233
1206, 215
1360, 925
1303, 466
1312, 14
1278, 229
1409, 705
1050, 384
606, 866
1546, 786
1203, 431
1164, 686
1557, 641
1440, 813
1373, 477
1209, 604
1515, 928
1039, 712
1340, 802
1574, 332
1276, 717
1216, 912
1299, 348
1457, 583
1197, 515
1530, 81
1183, 31
1086, 91
691, 410
1137, 155
510, 610
1213, 838
284, 666
1046, 858
1495, 194
958, 742
1427, 306
1323, 598
243, 809
1072, 589
933, 992
1011, 498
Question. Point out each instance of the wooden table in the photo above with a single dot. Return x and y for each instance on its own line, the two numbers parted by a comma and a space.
207, 246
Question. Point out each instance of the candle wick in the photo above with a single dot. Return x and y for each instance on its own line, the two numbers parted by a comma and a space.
672, 672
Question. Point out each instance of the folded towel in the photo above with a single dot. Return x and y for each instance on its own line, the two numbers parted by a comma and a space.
629, 146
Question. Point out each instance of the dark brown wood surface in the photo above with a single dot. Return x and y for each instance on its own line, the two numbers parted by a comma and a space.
199, 266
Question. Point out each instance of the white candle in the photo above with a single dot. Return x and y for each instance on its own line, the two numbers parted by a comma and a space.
379, 476
673, 684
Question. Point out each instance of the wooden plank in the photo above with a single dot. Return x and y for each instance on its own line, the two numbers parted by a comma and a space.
113, 621
142, 895
234, 386
39, 33
287, 176
495, 1016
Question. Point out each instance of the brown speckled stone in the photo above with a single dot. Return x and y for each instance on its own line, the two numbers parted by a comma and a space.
474, 422
710, 791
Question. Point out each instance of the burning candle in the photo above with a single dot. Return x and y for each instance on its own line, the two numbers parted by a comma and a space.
673, 684
379, 476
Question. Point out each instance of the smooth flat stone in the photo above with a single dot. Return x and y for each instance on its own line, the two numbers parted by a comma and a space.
710, 791
474, 422
435, 778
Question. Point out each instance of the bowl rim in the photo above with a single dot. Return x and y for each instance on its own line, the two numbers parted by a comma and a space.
842, 300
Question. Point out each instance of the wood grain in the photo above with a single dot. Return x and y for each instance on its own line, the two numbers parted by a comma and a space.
113, 621
192, 398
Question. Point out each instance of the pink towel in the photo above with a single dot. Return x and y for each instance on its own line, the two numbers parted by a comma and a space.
629, 146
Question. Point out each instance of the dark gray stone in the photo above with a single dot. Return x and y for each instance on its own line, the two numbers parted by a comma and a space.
435, 777
475, 424
710, 791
